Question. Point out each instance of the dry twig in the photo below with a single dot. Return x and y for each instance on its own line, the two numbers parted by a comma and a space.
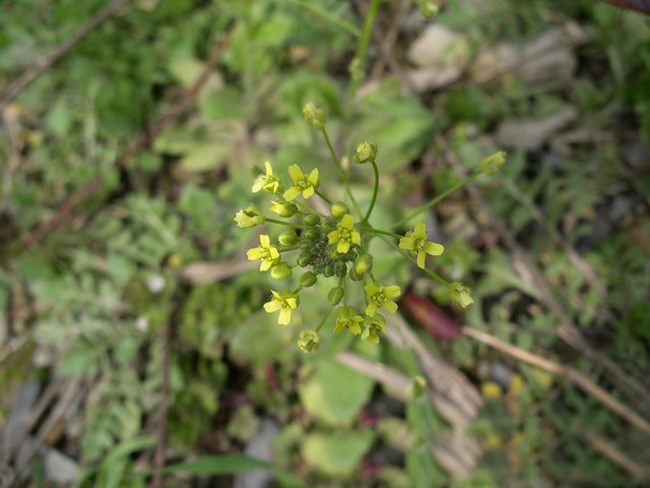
571, 374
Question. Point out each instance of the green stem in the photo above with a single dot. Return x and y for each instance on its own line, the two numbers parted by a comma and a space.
382, 232
346, 26
362, 46
342, 173
323, 197
436, 200
322, 322
307, 208
275, 221
374, 192
430, 273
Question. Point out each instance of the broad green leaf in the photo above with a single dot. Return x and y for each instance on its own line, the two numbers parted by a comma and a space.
336, 454
335, 394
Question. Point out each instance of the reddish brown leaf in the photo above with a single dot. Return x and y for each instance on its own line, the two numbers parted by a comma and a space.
434, 320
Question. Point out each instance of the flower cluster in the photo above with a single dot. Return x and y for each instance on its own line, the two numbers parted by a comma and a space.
333, 246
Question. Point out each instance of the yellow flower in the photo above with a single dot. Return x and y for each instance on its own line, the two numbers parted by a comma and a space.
344, 235
284, 301
301, 184
375, 326
250, 217
309, 340
366, 153
381, 296
416, 242
268, 182
267, 253
460, 294
348, 318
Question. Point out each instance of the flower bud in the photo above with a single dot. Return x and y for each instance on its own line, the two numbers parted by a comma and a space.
418, 386
329, 271
363, 264
312, 234
314, 116
283, 209
288, 238
309, 340
281, 271
340, 269
304, 258
250, 217
311, 220
339, 209
354, 276
307, 279
366, 153
461, 294
428, 9
493, 163
335, 295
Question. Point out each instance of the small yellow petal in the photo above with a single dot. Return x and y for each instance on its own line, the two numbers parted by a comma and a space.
407, 243
269, 169
272, 306
343, 246
421, 259
308, 192
434, 249
347, 222
285, 316
265, 265
296, 173
371, 309
390, 305
265, 240
313, 177
392, 291
291, 193
254, 254
420, 231
333, 236
356, 237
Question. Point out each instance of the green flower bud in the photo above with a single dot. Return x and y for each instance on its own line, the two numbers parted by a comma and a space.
461, 294
354, 276
288, 238
281, 271
304, 259
312, 234
311, 220
283, 209
308, 279
493, 163
366, 153
309, 340
428, 9
363, 264
335, 295
250, 217
340, 269
314, 116
339, 209
418, 386
329, 271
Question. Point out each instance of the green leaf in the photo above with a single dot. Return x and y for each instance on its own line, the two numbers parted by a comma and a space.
203, 157
230, 464
336, 394
336, 454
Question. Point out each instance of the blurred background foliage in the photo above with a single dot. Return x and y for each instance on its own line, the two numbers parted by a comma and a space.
91, 303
